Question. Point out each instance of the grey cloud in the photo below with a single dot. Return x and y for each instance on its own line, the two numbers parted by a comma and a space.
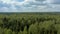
39, 0
54, 1
37, 3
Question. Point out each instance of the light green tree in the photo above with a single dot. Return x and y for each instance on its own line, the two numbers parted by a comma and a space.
1, 30
25, 30
7, 31
33, 29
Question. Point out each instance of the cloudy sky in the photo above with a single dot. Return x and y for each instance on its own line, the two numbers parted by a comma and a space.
29, 5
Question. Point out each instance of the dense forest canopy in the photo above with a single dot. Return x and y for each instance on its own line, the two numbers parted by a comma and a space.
30, 23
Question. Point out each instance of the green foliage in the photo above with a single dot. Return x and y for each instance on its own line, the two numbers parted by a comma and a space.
33, 29
25, 30
1, 30
7, 31
29, 23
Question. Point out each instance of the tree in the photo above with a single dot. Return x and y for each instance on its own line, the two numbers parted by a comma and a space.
33, 29
13, 32
1, 30
25, 30
7, 31
20, 32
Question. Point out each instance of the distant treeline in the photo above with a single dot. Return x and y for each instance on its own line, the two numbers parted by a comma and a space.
30, 13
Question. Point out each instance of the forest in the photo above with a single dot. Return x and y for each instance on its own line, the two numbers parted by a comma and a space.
29, 23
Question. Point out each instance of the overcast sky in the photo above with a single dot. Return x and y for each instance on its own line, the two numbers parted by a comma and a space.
29, 5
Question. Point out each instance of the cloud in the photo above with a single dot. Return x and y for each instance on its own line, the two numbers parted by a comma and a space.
29, 5
19, 0
40, 0
54, 1
4, 5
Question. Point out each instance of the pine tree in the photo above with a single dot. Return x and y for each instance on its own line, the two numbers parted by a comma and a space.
1, 30
7, 31
33, 29
25, 30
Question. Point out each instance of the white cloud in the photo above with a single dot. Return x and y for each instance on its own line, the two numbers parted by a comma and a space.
28, 5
